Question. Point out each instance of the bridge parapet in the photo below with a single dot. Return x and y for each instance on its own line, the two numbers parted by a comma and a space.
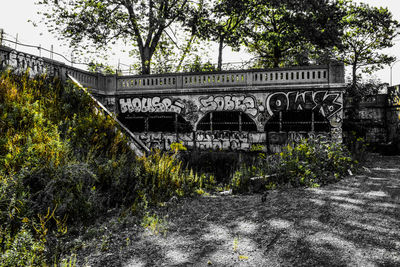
285, 76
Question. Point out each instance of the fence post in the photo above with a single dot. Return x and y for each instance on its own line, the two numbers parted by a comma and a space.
1, 36
16, 42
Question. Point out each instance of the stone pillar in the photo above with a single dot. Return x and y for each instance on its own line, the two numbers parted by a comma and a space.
336, 73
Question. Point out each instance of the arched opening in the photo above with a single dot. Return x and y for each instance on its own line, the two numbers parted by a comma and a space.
227, 120
156, 122
298, 121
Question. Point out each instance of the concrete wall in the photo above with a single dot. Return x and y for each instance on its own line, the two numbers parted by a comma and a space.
260, 106
393, 115
376, 118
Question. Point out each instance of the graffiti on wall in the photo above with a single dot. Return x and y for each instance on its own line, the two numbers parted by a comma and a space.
225, 140
150, 104
282, 138
374, 114
185, 107
229, 103
394, 100
260, 106
327, 103
204, 140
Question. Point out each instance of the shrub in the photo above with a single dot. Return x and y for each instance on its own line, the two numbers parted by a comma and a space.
21, 249
163, 177
311, 163
314, 161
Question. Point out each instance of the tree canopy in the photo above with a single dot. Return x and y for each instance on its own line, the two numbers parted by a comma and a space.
140, 22
222, 23
279, 31
367, 30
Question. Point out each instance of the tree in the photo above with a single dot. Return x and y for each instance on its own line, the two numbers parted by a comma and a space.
367, 30
141, 22
280, 30
222, 23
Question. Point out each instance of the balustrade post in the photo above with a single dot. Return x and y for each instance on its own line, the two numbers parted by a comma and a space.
179, 81
110, 84
63, 72
249, 78
100, 83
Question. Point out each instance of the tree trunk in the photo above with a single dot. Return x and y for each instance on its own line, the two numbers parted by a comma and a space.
277, 56
221, 47
145, 56
354, 76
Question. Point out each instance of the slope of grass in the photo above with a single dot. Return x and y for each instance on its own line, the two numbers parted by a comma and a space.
62, 164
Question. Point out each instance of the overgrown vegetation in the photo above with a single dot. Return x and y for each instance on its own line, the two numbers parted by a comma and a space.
310, 163
62, 163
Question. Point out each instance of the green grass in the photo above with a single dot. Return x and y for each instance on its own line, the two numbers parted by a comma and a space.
63, 164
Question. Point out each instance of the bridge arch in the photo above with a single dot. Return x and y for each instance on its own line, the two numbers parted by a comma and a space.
156, 122
226, 121
299, 121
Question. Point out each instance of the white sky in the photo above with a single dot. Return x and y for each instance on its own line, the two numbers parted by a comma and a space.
14, 16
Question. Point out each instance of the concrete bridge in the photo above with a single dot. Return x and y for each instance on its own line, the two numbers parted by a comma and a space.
229, 110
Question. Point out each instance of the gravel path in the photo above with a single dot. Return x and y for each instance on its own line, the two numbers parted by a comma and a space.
355, 222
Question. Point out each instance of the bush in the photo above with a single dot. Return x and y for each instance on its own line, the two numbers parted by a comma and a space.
314, 162
163, 177
311, 163
21, 249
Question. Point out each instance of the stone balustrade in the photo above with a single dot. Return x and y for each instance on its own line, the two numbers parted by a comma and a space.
113, 84
287, 76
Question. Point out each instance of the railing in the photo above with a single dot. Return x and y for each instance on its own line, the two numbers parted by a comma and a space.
87, 79
135, 144
21, 61
305, 75
112, 84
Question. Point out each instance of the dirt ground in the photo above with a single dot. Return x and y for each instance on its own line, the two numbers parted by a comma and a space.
355, 222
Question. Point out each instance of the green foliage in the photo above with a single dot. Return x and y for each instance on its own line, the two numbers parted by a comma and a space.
163, 177
357, 146
198, 66
63, 163
178, 147
314, 162
145, 23
279, 32
28, 139
261, 168
221, 23
310, 163
367, 31
221, 165
21, 249
154, 224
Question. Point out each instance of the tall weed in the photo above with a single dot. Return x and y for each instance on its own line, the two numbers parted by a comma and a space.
63, 162
310, 163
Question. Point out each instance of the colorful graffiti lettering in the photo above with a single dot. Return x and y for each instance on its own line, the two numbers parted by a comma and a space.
153, 104
229, 103
327, 103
